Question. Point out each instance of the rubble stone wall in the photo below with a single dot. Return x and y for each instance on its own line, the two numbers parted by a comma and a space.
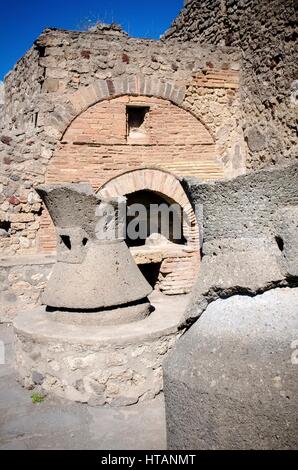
265, 32
22, 279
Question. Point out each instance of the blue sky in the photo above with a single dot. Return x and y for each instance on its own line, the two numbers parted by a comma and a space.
22, 21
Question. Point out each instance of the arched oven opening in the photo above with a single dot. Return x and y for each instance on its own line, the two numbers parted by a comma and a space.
155, 236
160, 219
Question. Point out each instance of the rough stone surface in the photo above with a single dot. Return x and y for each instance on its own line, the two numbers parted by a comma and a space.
60, 424
1, 94
242, 245
22, 280
116, 365
265, 32
108, 276
287, 233
231, 381
111, 316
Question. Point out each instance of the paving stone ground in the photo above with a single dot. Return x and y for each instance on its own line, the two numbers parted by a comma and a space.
58, 424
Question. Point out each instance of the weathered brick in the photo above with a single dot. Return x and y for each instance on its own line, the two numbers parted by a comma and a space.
21, 217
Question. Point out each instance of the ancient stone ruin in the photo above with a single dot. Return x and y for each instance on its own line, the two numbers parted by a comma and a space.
91, 253
204, 119
129, 116
94, 340
233, 368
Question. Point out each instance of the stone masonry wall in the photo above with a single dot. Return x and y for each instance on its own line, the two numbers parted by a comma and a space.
65, 72
22, 279
265, 32
1, 105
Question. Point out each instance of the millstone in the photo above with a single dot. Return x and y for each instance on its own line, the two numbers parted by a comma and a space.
95, 270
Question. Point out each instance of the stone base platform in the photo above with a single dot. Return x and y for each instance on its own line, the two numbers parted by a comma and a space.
99, 365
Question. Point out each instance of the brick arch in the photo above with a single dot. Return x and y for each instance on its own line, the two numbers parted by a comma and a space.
102, 90
96, 149
158, 181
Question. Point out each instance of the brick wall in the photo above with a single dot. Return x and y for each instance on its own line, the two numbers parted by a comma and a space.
95, 147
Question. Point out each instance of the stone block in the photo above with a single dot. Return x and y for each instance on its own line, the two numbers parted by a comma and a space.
115, 365
241, 252
51, 85
91, 238
178, 95
21, 217
256, 140
231, 381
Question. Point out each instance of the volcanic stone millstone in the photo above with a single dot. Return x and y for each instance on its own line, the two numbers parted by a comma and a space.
94, 268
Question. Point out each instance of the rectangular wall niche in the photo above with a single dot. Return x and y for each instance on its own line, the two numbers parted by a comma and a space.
135, 117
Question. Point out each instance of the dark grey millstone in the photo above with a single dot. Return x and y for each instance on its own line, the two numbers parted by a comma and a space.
240, 221
94, 268
231, 382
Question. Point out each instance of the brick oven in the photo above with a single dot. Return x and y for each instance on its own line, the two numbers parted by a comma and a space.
129, 116
157, 141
